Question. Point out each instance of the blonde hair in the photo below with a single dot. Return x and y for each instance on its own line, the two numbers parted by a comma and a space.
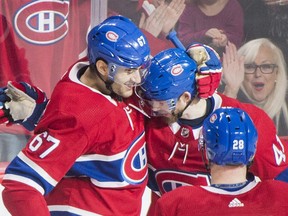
275, 103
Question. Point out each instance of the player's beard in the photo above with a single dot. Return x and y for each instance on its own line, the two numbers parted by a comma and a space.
169, 119
175, 115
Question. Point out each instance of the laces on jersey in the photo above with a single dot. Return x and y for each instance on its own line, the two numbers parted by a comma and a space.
174, 150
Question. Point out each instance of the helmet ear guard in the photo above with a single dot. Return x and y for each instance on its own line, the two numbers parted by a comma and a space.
229, 137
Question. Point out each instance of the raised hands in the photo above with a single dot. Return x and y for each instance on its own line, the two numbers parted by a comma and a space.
233, 70
173, 13
163, 18
155, 22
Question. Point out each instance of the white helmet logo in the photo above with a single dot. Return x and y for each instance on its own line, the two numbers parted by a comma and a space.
213, 118
112, 36
176, 70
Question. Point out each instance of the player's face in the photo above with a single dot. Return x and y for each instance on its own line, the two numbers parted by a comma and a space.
162, 108
167, 110
260, 85
125, 79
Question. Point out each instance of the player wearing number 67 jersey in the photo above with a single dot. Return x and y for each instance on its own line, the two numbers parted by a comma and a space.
228, 145
88, 156
172, 135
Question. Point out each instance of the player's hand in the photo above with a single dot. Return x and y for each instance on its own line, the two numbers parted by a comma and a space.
209, 69
21, 103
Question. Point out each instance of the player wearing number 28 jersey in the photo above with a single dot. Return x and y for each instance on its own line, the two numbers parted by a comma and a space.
228, 145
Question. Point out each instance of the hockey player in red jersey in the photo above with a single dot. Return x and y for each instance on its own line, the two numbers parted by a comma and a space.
228, 145
88, 156
172, 134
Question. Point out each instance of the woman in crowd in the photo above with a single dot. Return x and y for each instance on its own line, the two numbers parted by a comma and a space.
257, 74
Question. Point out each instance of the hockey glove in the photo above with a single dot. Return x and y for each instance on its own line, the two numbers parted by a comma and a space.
209, 68
21, 103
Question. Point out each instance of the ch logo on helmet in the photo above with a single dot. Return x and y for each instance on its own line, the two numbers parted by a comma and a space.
213, 118
176, 70
112, 36
42, 22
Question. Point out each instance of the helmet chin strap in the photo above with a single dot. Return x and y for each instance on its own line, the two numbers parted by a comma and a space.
178, 115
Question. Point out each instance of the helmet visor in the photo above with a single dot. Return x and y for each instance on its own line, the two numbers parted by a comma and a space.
128, 76
157, 107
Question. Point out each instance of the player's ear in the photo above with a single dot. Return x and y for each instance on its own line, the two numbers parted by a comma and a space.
185, 97
102, 67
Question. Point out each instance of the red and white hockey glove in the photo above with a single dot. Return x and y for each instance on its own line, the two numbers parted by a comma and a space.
21, 103
209, 68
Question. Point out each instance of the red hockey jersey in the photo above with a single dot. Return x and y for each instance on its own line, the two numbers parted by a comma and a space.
174, 159
88, 149
265, 198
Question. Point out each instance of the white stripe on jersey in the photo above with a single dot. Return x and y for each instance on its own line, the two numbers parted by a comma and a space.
113, 184
24, 180
99, 157
37, 168
71, 209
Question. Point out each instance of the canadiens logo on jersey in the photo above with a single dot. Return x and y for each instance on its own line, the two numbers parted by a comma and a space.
168, 180
135, 162
42, 22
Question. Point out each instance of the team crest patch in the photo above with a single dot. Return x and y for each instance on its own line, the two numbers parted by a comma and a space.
42, 22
